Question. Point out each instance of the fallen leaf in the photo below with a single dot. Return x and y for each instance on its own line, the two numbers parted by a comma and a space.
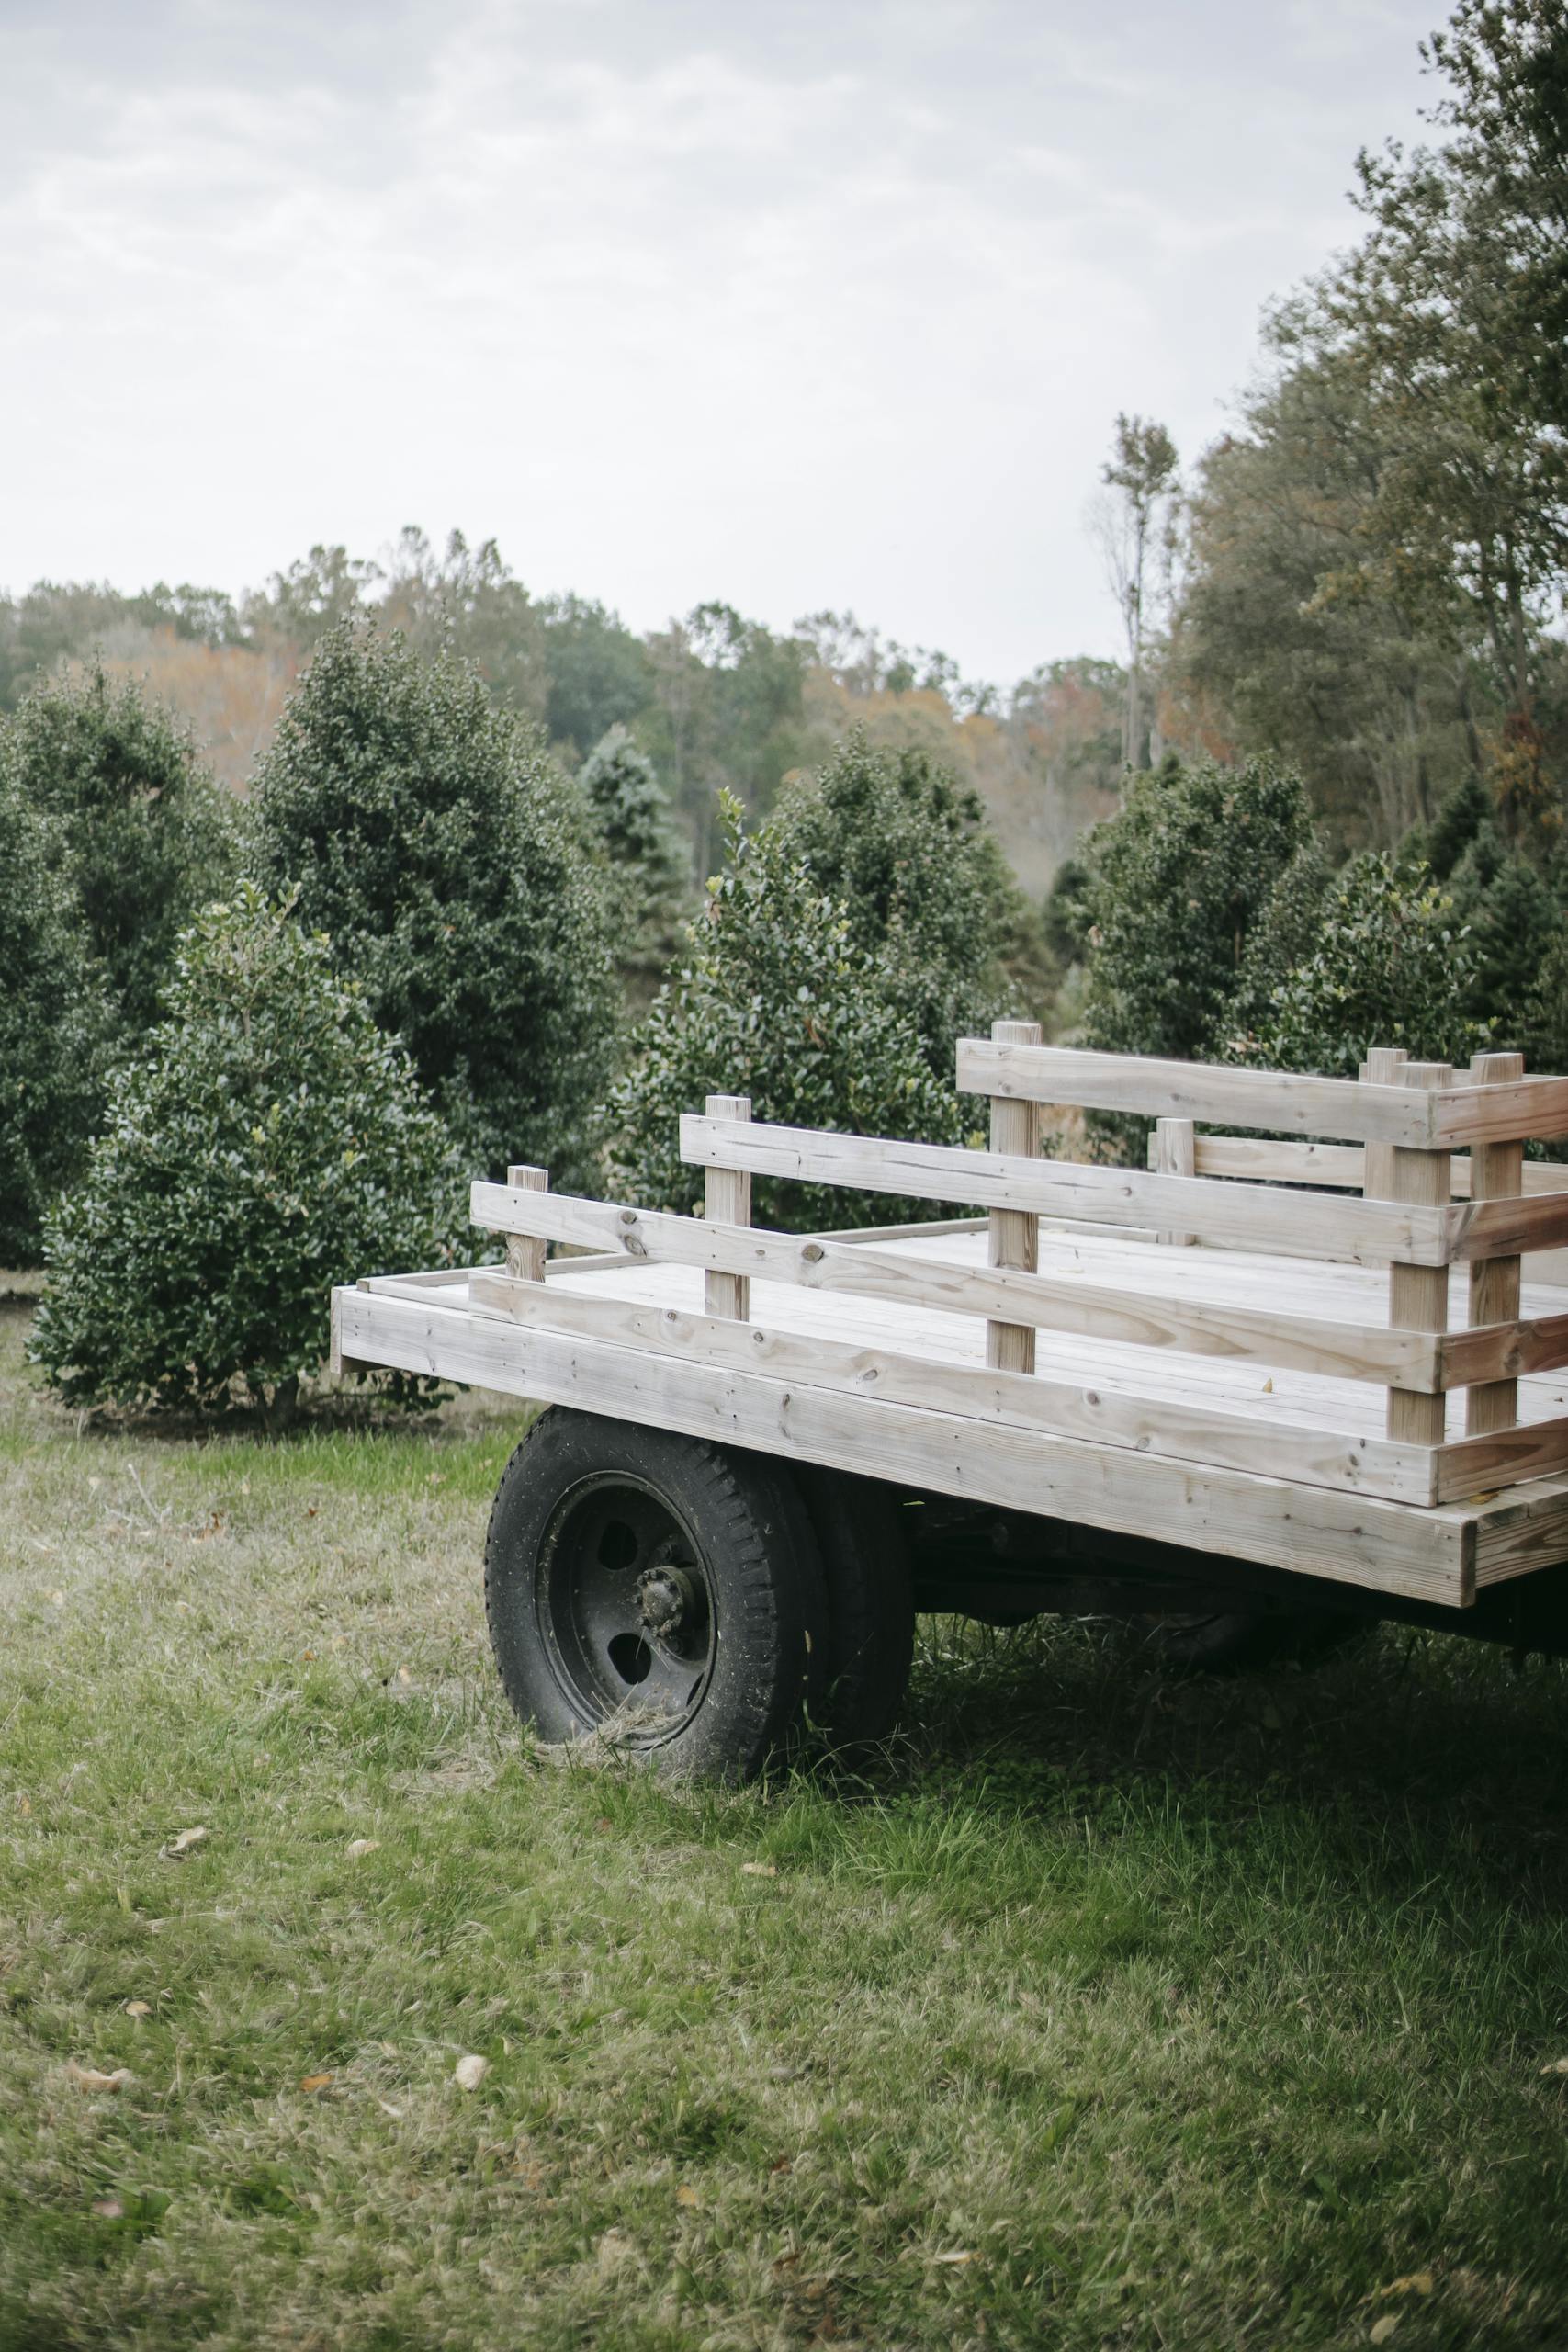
963, 2256
1558, 2066
403, 1675
58, 1599
314, 2082
387, 2048
784, 2164
109, 2208
759, 1869
184, 1841
138, 2008
687, 2195
1419, 2282
1381, 2329
89, 2079
470, 2072
388, 2108
359, 1846
306, 1657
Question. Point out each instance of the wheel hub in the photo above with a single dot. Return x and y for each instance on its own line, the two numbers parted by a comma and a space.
664, 1598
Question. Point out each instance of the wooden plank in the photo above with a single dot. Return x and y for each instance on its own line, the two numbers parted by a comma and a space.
1506, 1228
1193, 1432
1522, 1533
1502, 1351
1357, 1539
1281, 1100
1338, 1166
1531, 1110
1419, 1295
1014, 1240
526, 1251
1495, 1173
1467, 1466
727, 1199
1295, 1225
1174, 1154
1347, 1351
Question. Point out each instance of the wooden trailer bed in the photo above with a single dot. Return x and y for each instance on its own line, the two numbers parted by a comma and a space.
1345, 1377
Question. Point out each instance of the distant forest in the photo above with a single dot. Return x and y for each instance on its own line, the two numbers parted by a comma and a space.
719, 702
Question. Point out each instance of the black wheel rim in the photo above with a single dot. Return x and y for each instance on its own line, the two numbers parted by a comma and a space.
625, 1609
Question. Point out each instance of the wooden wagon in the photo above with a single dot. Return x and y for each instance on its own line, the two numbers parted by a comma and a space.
1303, 1369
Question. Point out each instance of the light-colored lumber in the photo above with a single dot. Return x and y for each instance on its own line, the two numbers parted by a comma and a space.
1419, 1295
727, 1199
1357, 1539
1521, 1532
1473, 1465
1501, 1352
1496, 1171
1198, 1432
1338, 1166
1204, 1326
526, 1251
1014, 1233
1237, 1216
1174, 1153
1281, 1101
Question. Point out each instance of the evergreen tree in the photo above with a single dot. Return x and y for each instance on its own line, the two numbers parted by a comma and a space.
450, 863
266, 1143
141, 830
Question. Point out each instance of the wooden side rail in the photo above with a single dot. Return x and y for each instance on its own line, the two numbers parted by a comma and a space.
1395, 1471
1337, 1349
1415, 1118
1237, 1216
1335, 1167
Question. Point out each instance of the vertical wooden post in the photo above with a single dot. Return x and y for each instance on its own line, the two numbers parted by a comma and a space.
1384, 1066
1176, 1154
727, 1199
1419, 1295
526, 1251
1496, 1172
1015, 1233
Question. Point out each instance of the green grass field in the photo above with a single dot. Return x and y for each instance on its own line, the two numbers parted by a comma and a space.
1111, 2011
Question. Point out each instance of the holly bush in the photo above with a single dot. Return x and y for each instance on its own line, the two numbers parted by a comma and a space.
1390, 965
52, 1020
141, 829
1175, 880
267, 1142
434, 841
778, 999
891, 837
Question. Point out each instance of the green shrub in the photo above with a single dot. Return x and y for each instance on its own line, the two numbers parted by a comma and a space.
778, 1000
449, 862
649, 862
267, 1143
892, 838
1177, 879
52, 1019
1389, 966
142, 831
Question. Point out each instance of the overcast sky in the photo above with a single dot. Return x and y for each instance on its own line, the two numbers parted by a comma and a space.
792, 302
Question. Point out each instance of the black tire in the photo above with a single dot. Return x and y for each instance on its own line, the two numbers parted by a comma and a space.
660, 1590
871, 1610
1235, 1641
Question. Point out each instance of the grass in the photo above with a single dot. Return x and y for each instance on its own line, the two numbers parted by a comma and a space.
1109, 2011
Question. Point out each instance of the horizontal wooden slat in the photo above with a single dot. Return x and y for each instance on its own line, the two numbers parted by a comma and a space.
1340, 1166
1237, 1216
1358, 1539
1346, 1350
1417, 1117
1112, 1417
1472, 1466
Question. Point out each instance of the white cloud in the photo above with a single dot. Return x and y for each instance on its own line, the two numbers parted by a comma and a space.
671, 318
